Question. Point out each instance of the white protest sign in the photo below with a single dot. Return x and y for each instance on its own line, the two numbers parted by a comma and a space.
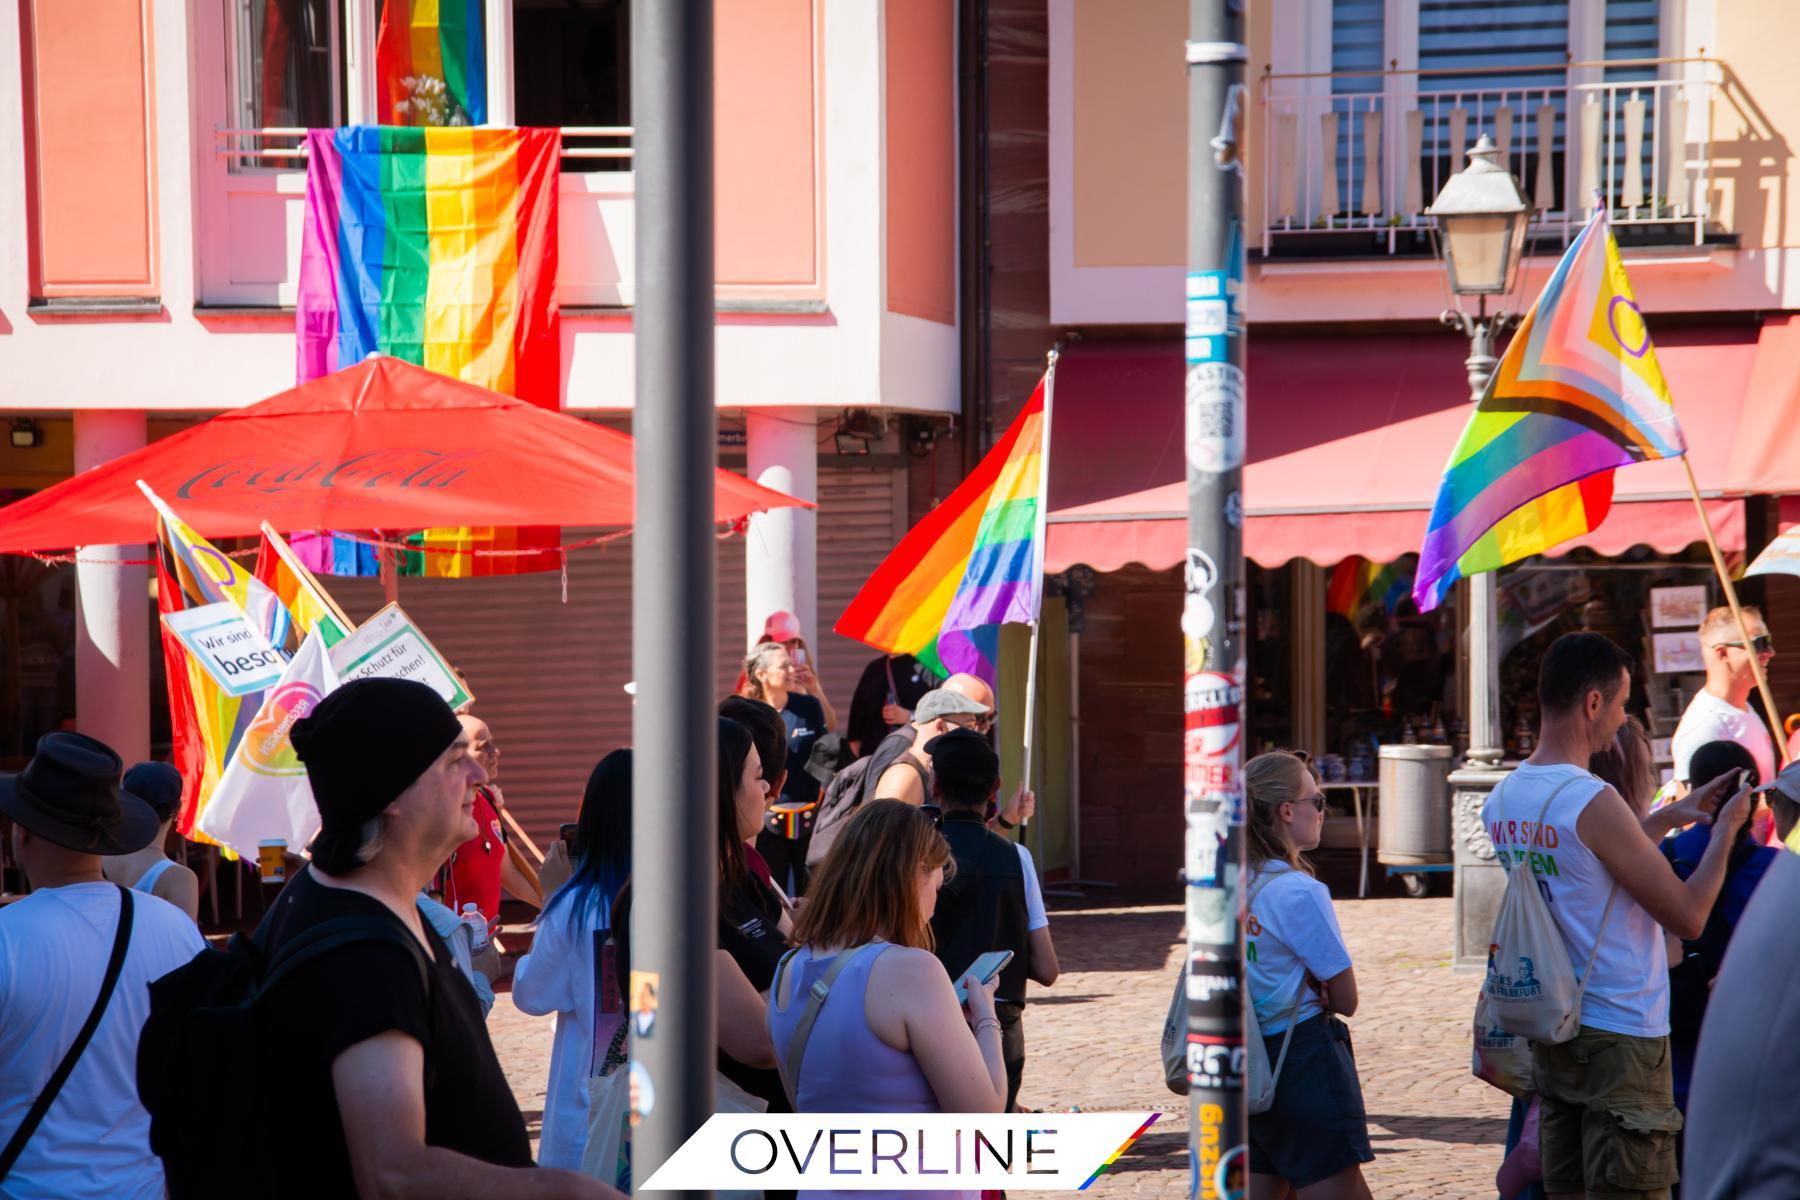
390, 646
231, 649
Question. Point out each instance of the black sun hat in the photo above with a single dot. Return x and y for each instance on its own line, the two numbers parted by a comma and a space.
69, 794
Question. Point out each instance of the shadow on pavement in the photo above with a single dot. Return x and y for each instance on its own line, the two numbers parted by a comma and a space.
1452, 1131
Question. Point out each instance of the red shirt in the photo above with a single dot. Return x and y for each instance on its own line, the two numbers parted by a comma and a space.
474, 868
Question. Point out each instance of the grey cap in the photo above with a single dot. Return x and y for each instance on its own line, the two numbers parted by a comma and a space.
942, 702
1787, 782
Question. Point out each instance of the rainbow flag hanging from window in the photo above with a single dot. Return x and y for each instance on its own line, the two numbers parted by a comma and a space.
1577, 394
437, 246
431, 62
452, 552
974, 563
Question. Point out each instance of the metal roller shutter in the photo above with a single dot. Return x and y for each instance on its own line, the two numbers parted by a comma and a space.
548, 676
862, 513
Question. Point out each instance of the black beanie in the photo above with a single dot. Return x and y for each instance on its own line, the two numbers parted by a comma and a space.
366, 743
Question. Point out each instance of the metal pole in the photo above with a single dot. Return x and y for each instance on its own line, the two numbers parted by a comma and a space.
674, 843
1486, 739
1213, 611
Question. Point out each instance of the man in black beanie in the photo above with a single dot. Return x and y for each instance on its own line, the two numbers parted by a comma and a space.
993, 900
390, 1083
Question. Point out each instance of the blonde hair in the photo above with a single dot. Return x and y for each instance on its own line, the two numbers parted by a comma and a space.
1721, 626
1271, 780
867, 889
761, 655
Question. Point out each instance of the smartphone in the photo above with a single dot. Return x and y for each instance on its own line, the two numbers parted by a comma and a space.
983, 968
567, 834
798, 654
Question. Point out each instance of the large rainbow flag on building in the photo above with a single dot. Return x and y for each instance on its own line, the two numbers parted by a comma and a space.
451, 552
1577, 393
437, 246
431, 62
974, 563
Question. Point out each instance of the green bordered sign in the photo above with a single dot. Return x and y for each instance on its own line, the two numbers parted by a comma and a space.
390, 646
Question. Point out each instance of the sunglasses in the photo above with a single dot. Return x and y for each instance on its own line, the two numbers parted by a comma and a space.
1761, 645
1317, 800
933, 815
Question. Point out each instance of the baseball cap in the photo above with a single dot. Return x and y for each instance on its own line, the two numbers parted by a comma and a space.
1787, 782
942, 702
782, 626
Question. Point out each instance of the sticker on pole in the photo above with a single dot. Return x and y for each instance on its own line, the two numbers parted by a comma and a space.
1215, 417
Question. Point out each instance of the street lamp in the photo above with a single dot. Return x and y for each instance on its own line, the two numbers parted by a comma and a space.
1481, 218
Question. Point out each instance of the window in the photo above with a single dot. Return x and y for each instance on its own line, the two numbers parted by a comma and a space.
572, 67
1358, 43
287, 63
431, 62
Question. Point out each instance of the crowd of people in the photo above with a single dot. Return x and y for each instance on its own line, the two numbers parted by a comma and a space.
352, 1020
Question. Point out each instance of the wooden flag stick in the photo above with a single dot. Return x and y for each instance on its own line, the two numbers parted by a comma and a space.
1737, 611
286, 553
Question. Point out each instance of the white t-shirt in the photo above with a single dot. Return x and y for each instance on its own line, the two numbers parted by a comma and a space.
1292, 932
1710, 719
54, 946
558, 976
1035, 916
1629, 991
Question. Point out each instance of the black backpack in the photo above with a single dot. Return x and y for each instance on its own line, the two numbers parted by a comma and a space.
199, 1072
841, 799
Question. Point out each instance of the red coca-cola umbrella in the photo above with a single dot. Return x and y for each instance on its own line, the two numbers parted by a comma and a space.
380, 445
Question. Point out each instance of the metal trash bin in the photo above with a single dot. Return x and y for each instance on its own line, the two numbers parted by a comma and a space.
1415, 805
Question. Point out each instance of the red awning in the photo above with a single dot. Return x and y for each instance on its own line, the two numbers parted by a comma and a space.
1348, 437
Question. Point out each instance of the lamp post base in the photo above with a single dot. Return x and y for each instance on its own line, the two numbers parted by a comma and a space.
1480, 880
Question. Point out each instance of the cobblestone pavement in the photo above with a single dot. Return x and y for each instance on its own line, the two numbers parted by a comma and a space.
1092, 1042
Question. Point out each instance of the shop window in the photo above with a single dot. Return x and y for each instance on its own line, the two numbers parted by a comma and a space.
572, 67
286, 69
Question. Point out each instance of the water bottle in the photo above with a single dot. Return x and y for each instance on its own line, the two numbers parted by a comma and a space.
478, 928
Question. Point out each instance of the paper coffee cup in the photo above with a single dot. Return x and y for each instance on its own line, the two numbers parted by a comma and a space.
271, 857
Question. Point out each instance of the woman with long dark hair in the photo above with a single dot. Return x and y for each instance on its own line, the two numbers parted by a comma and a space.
573, 966
1315, 1138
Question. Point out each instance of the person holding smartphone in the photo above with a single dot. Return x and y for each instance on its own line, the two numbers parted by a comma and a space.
889, 1036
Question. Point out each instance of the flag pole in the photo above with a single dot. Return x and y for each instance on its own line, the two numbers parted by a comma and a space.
286, 553
1041, 547
1737, 612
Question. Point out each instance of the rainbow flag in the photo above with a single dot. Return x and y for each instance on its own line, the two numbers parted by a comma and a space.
451, 552
974, 563
309, 605
431, 62
1356, 582
1578, 393
206, 722
437, 246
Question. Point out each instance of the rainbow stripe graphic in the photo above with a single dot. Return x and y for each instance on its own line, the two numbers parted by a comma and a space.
1578, 393
431, 62
437, 246
974, 563
1114, 1156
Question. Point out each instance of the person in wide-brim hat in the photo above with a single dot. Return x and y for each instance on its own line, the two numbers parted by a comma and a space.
69, 794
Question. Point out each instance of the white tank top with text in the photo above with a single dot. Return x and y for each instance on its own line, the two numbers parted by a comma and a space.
1629, 991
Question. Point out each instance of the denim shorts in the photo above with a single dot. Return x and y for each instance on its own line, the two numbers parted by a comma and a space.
1317, 1125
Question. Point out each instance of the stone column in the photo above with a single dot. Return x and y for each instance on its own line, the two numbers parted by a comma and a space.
781, 547
112, 629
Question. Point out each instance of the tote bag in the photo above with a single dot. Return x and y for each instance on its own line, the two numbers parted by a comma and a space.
1531, 988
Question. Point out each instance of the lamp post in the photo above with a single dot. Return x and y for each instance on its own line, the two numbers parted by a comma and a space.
1481, 218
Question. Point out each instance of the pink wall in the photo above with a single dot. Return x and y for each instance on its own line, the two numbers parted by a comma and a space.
93, 179
921, 158
766, 78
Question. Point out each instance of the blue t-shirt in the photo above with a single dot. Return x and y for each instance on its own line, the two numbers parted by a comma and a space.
804, 717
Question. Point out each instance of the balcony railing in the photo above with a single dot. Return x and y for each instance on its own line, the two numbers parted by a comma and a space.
285, 148
1365, 153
